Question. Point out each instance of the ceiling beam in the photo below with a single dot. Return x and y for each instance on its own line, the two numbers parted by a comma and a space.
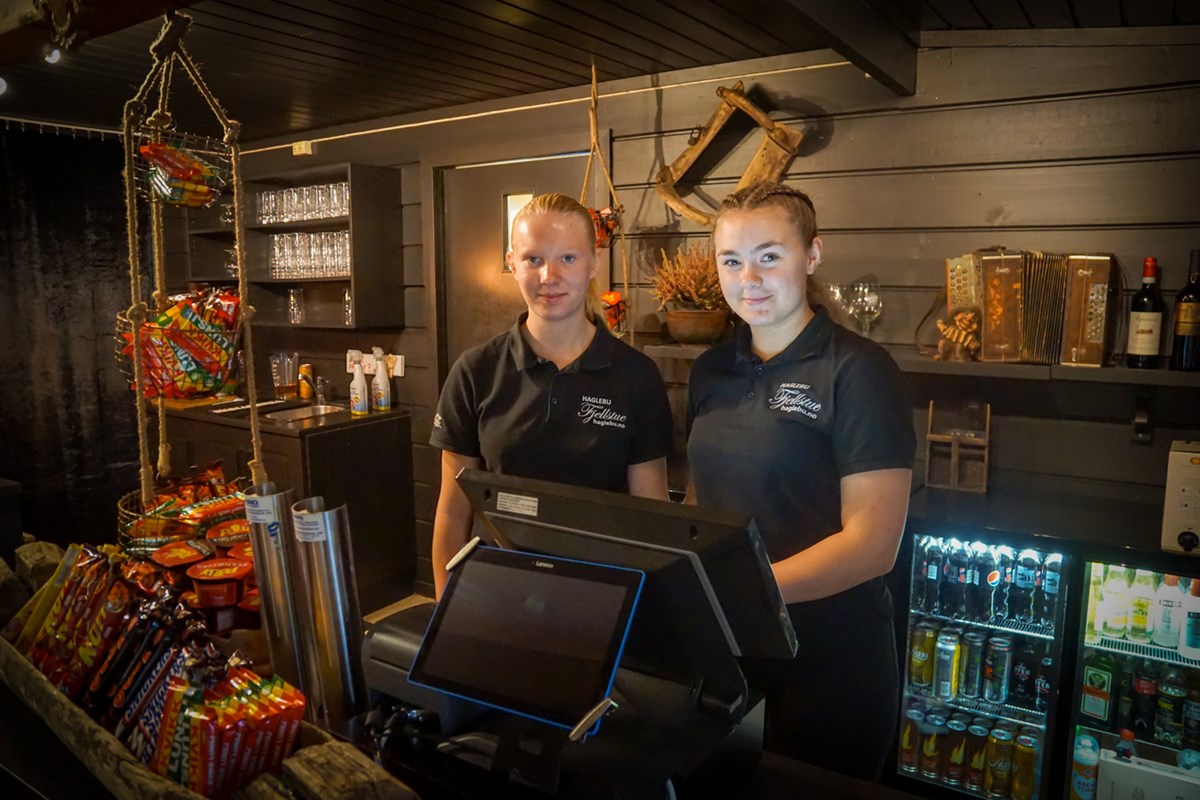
870, 41
30, 27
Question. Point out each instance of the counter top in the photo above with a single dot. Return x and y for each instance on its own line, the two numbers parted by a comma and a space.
1094, 514
297, 428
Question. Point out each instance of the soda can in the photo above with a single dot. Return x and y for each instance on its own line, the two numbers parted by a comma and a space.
1024, 768
945, 670
1007, 725
997, 669
933, 733
910, 739
986, 722
921, 658
974, 654
962, 716
976, 756
956, 752
306, 390
997, 777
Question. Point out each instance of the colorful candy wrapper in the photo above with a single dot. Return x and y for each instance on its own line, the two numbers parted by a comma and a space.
101, 634
12, 629
53, 598
62, 604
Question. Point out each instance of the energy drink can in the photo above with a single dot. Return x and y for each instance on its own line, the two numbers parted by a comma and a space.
921, 656
910, 739
945, 671
976, 757
974, 654
997, 778
997, 669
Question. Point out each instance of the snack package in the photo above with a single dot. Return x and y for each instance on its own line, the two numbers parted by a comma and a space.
51, 598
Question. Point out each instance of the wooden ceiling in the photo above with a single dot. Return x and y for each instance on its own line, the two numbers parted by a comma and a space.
282, 67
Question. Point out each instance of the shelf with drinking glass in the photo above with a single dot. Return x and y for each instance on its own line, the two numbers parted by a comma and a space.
307, 279
1154, 652
981, 707
1006, 626
315, 224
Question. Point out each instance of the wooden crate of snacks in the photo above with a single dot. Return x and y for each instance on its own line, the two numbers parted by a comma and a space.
168, 733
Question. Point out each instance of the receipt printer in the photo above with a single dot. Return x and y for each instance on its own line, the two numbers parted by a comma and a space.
389, 649
1181, 503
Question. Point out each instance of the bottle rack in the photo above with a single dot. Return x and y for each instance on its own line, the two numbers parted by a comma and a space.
982, 708
1045, 632
1157, 653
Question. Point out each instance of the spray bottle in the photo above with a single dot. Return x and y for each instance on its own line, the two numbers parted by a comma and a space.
360, 397
381, 386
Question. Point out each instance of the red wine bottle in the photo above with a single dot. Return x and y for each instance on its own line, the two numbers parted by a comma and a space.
1185, 350
1145, 320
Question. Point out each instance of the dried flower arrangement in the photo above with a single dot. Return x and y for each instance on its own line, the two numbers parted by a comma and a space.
688, 280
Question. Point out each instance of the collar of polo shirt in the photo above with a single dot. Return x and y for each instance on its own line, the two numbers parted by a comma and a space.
810, 342
598, 355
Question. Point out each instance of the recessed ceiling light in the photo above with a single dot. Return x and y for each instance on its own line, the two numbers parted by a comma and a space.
3, 86
54, 56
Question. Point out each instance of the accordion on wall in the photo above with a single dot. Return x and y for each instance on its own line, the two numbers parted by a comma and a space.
1038, 308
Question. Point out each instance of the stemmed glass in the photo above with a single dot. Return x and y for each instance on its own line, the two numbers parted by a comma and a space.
839, 293
866, 304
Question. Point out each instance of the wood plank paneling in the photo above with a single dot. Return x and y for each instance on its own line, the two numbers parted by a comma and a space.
411, 220
1016, 132
1002, 13
414, 265
1098, 13
1141, 13
1071, 194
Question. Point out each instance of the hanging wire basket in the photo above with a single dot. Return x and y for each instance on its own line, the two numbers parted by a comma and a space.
183, 358
140, 532
180, 169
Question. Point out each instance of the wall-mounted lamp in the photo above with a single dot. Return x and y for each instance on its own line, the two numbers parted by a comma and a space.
513, 203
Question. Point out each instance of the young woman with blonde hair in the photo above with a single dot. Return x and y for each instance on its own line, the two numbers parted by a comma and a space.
556, 397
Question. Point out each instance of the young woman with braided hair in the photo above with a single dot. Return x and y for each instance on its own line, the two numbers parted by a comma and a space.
805, 425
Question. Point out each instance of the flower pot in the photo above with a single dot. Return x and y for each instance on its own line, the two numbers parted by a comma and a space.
697, 327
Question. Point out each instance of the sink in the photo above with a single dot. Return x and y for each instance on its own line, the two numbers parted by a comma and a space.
304, 412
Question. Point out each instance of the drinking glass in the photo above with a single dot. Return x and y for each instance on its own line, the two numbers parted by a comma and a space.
839, 293
866, 304
296, 306
284, 374
341, 199
347, 308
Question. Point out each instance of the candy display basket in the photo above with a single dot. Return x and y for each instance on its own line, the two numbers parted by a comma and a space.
319, 767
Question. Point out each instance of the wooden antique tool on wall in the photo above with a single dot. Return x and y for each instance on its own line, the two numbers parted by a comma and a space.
779, 146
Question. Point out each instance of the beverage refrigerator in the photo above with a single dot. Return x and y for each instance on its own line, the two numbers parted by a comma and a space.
1135, 700
982, 672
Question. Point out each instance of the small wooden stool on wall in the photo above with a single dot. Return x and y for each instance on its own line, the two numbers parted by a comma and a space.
957, 447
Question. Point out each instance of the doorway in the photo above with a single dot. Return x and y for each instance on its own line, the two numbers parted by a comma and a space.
478, 297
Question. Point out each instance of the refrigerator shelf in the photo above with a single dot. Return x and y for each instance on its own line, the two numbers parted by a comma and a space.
1019, 628
1012, 713
1153, 652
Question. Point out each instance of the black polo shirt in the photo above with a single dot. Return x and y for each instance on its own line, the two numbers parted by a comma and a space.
774, 439
584, 424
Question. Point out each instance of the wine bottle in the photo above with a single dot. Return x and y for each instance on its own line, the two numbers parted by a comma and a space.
1145, 320
1185, 350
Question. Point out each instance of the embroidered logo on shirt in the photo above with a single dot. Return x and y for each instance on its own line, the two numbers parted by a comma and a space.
437, 421
793, 398
598, 411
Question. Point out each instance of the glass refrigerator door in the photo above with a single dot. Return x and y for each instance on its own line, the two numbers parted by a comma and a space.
1137, 705
982, 670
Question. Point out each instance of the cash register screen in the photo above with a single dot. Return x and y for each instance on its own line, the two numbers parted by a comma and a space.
534, 635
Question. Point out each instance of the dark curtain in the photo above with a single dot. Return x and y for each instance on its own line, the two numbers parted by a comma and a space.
67, 431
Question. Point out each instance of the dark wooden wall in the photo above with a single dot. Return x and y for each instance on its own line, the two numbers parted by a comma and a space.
1057, 148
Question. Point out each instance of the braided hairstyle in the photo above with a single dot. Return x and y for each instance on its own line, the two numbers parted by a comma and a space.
800, 210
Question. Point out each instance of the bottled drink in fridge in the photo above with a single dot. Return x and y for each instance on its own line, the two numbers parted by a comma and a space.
1095, 606
1116, 603
1124, 718
1043, 684
1020, 594
1125, 748
1004, 566
1047, 598
1167, 612
1097, 698
1145, 700
985, 579
1189, 629
1024, 672
1145, 320
1168, 718
933, 574
1141, 601
954, 579
1191, 711
920, 547
1185, 347
1024, 770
